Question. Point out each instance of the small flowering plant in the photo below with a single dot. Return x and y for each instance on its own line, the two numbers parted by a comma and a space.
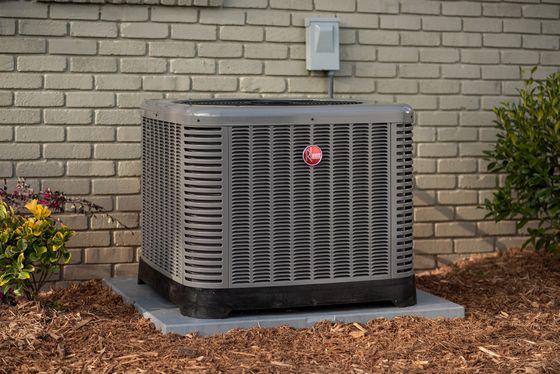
31, 247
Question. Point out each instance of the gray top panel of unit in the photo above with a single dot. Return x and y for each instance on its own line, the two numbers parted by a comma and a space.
226, 112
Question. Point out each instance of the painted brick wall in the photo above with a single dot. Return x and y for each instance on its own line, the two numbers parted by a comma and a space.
72, 77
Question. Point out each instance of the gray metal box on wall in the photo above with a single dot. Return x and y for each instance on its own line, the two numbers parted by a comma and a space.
256, 204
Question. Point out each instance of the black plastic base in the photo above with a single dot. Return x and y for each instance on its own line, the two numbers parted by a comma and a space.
220, 302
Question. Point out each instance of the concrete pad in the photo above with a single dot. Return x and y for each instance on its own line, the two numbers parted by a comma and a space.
167, 318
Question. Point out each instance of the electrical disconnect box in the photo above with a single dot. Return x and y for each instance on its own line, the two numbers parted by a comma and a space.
322, 43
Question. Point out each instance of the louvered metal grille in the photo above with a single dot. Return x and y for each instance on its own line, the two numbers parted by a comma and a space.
403, 185
161, 196
204, 204
296, 224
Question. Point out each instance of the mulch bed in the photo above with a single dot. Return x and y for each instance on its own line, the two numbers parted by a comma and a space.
512, 325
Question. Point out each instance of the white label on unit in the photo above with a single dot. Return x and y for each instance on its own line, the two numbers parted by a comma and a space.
322, 43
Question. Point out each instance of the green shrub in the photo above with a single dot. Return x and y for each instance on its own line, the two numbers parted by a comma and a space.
527, 151
31, 248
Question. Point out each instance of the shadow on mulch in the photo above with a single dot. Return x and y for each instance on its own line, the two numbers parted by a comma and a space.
512, 325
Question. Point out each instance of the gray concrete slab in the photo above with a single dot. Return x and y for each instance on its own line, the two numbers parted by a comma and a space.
167, 318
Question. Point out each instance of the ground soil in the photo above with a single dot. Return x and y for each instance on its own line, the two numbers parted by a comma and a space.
512, 325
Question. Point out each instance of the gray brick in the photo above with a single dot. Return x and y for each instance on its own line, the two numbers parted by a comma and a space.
479, 181
68, 116
541, 11
143, 65
400, 22
420, 7
439, 86
127, 237
66, 151
122, 47
7, 27
334, 5
501, 10
500, 72
42, 27
461, 39
121, 151
124, 13
424, 262
439, 23
172, 49
474, 149
477, 118
19, 80
268, 17
292, 4
419, 102
496, 228
474, 245
437, 150
93, 64
457, 165
71, 11
68, 81
129, 134
458, 197
94, 29
266, 51
502, 40
470, 213
244, 67
128, 203
6, 63
17, 9
395, 86
90, 99
433, 246
523, 26
364, 69
126, 270
307, 85
135, 100
40, 169
166, 83
72, 46
397, 54
481, 88
22, 45
482, 24
117, 82
39, 99
41, 63
262, 84
6, 133
520, 57
550, 58
540, 42
193, 66
90, 168
551, 27
439, 55
129, 168
461, 8
433, 214
68, 186
457, 134
214, 84
194, 32
110, 186
457, 102
39, 134
460, 71
117, 117
90, 134
241, 33
418, 71
108, 255
15, 151
221, 16
480, 56
144, 30
6, 169
285, 68
356, 21
420, 38
380, 6
378, 37
283, 34
455, 229
86, 272
215, 49
174, 14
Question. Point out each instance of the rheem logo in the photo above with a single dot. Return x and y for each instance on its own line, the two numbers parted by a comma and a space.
312, 155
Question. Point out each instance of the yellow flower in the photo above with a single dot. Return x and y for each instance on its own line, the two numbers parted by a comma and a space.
38, 210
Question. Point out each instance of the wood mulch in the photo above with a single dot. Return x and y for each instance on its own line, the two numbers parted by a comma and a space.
512, 326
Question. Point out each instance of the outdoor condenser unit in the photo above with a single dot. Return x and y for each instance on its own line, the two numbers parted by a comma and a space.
258, 204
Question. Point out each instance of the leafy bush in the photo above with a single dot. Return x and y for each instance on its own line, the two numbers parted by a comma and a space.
528, 152
31, 247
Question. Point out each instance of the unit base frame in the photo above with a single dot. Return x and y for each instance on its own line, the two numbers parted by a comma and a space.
220, 302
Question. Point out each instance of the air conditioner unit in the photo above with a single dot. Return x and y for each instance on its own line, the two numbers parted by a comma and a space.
258, 204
